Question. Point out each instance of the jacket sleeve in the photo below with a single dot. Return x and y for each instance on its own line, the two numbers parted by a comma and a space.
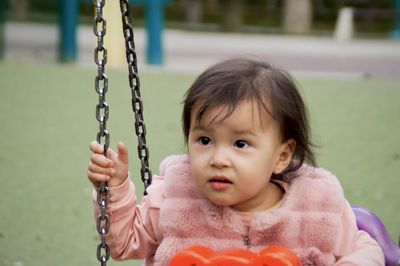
134, 232
356, 247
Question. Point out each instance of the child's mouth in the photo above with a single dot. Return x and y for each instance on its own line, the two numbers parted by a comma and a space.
220, 183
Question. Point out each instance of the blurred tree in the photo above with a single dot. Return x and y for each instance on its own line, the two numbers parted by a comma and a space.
297, 16
232, 17
19, 9
193, 11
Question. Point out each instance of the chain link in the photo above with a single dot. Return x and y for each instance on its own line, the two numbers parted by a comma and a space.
102, 113
137, 105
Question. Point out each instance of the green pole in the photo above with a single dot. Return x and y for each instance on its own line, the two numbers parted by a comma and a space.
2, 21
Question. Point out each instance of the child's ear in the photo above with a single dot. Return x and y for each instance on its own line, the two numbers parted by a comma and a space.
285, 157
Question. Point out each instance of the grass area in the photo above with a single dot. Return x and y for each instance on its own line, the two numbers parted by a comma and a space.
47, 115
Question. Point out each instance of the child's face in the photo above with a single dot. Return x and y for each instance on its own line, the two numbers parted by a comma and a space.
232, 160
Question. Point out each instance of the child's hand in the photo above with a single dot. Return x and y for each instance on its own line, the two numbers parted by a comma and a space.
113, 169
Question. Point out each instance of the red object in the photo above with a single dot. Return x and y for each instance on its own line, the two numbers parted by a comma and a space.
202, 256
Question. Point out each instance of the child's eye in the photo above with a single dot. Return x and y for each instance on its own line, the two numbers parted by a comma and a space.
204, 140
241, 144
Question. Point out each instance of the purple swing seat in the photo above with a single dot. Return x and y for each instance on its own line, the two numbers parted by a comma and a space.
370, 223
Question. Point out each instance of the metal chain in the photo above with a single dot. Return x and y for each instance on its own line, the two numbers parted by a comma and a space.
102, 113
137, 105
103, 136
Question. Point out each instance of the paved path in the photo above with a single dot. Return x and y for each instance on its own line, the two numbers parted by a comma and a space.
194, 51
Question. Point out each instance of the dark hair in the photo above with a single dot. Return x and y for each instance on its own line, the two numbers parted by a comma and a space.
230, 82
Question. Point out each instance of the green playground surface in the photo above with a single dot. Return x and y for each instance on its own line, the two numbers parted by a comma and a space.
47, 114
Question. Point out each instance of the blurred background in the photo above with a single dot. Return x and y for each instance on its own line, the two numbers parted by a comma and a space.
372, 18
345, 56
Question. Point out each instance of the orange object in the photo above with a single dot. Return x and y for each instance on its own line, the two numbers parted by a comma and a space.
203, 256
233, 257
194, 256
278, 256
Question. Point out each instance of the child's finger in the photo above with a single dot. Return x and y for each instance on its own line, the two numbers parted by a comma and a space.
94, 168
101, 160
123, 152
96, 178
96, 147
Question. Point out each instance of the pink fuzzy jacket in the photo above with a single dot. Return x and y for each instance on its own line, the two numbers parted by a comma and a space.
314, 220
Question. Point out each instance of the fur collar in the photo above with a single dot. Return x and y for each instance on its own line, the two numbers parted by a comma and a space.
307, 220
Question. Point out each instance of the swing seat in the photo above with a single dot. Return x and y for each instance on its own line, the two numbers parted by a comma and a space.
373, 225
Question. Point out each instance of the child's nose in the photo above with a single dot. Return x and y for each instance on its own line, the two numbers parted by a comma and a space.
220, 158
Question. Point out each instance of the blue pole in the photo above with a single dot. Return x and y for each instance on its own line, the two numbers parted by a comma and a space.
155, 26
396, 32
68, 22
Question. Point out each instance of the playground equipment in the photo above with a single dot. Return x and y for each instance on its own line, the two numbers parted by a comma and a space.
369, 222
102, 111
154, 26
68, 21
396, 32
